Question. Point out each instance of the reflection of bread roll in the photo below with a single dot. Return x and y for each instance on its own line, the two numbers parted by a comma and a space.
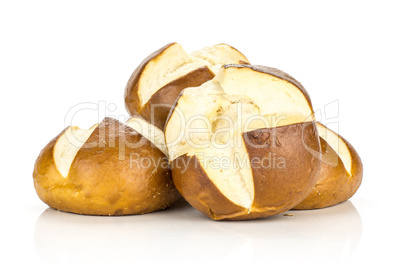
308, 237
110, 169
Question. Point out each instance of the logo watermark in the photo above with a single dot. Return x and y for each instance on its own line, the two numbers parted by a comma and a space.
199, 132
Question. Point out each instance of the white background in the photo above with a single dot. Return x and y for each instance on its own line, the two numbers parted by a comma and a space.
57, 54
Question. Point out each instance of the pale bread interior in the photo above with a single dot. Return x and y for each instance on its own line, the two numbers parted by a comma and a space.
209, 121
71, 141
337, 144
67, 147
149, 131
174, 62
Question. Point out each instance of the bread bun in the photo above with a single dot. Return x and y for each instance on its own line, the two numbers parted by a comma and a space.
244, 145
157, 82
341, 172
110, 169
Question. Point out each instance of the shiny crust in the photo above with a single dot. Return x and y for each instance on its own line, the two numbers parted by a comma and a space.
164, 99
276, 189
166, 96
131, 98
195, 186
100, 180
334, 184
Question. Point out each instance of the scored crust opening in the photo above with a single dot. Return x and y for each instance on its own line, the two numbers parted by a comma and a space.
73, 138
174, 62
68, 145
337, 144
149, 131
208, 122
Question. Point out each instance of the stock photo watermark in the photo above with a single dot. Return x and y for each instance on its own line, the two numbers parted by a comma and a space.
198, 133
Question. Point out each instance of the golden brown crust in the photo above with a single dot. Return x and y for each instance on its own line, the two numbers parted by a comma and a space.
131, 97
283, 174
356, 171
292, 169
163, 99
334, 184
45, 174
105, 177
157, 109
196, 187
278, 188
